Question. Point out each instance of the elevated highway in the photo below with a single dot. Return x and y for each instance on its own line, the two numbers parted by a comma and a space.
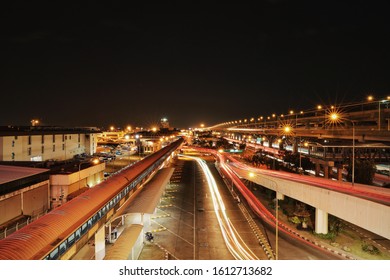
330, 137
365, 206
363, 122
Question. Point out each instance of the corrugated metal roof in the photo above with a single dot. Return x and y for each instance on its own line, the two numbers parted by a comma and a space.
149, 197
122, 247
10, 173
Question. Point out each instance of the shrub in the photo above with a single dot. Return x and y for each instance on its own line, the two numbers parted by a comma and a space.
294, 220
369, 248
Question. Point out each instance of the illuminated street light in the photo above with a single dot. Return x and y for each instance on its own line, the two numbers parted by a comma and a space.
276, 224
305, 144
34, 122
334, 117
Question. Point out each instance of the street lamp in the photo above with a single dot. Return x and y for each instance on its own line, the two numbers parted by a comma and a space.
276, 225
379, 110
300, 153
137, 136
34, 122
334, 117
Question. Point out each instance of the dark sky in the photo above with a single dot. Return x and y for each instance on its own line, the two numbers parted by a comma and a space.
97, 63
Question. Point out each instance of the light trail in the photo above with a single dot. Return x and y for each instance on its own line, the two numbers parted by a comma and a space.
377, 194
259, 209
232, 168
233, 240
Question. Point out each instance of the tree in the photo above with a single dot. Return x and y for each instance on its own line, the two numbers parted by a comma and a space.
293, 158
364, 171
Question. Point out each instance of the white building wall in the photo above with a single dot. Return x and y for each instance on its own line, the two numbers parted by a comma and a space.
46, 147
64, 184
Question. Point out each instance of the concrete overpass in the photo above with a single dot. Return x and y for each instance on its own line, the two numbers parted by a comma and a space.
365, 206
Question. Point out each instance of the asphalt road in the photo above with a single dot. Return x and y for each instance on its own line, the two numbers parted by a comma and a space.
186, 225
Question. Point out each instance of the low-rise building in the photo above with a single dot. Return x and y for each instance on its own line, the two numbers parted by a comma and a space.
41, 143
41, 167
24, 193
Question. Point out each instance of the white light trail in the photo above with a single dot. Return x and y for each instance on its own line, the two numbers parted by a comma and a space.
233, 240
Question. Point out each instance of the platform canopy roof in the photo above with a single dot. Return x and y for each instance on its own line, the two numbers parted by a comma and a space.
150, 194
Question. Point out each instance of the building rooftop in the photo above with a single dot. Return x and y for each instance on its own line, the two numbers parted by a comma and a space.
12, 173
39, 130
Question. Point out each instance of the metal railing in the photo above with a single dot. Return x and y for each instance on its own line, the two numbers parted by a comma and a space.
4, 232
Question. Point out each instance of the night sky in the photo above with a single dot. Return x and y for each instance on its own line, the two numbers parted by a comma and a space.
95, 63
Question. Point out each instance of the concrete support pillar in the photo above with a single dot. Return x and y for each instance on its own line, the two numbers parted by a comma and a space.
339, 173
295, 145
330, 168
326, 172
321, 222
318, 168
100, 244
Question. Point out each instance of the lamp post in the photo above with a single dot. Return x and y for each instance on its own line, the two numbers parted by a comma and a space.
276, 225
379, 110
379, 115
138, 145
353, 152
300, 156
334, 117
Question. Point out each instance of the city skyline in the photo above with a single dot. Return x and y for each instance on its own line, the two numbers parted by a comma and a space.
105, 64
